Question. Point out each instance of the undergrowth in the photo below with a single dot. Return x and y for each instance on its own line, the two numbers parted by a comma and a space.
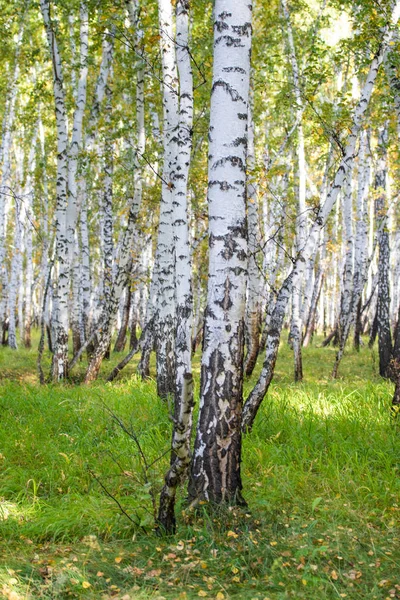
320, 475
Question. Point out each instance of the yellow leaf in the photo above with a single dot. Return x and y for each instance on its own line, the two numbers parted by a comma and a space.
236, 579
273, 543
202, 594
86, 584
118, 559
232, 534
235, 570
99, 574
304, 582
203, 565
219, 596
334, 575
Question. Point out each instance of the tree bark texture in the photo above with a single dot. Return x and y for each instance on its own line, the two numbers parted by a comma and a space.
215, 471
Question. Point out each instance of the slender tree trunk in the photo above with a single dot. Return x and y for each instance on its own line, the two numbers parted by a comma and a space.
16, 269
345, 314
383, 306
361, 262
121, 338
296, 330
215, 472
183, 406
165, 314
310, 324
358, 327
374, 330
28, 195
5, 161
109, 299
60, 322
89, 143
253, 286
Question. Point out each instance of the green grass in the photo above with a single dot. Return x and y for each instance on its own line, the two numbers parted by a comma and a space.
320, 474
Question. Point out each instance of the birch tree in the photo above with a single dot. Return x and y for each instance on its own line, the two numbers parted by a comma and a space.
164, 270
67, 164
253, 288
215, 471
383, 306
183, 399
5, 160
296, 331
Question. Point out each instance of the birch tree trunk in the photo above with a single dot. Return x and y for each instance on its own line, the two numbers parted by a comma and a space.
253, 286
60, 321
383, 306
89, 143
110, 292
165, 316
5, 161
361, 243
345, 315
183, 409
15, 273
311, 318
28, 196
296, 330
215, 472
73, 180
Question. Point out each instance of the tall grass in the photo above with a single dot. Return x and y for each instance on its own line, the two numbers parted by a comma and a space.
320, 475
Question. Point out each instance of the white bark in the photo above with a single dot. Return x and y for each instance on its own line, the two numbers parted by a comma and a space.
215, 471
383, 305
28, 202
252, 321
5, 161
73, 157
16, 272
345, 314
183, 410
165, 310
89, 142
60, 321
296, 331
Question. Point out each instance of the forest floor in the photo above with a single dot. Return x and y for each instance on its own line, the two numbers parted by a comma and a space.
320, 475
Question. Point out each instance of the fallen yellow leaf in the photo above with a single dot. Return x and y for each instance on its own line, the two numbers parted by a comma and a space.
202, 594
118, 559
334, 575
219, 596
232, 534
86, 584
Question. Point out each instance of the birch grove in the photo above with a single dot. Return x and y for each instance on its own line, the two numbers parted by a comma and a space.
180, 189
